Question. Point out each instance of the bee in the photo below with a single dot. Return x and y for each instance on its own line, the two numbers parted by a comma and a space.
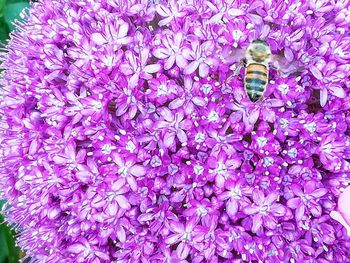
257, 60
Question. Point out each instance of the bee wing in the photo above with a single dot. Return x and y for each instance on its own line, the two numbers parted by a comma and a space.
286, 67
232, 55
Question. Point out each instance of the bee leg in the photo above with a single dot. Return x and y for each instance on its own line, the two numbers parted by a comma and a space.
242, 63
276, 67
237, 69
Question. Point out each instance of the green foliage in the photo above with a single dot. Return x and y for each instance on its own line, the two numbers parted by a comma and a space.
9, 253
9, 11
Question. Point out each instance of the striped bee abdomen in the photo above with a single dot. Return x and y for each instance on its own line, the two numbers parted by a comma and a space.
255, 81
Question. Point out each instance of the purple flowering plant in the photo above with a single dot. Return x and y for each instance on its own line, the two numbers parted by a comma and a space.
125, 138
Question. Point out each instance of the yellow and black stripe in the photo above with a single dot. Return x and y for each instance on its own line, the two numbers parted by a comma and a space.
255, 81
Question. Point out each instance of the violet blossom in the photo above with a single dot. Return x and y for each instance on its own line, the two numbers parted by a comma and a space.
127, 137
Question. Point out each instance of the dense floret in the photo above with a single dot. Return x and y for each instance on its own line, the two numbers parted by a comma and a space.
125, 139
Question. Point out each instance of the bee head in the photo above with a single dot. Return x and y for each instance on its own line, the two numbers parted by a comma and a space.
259, 50
260, 41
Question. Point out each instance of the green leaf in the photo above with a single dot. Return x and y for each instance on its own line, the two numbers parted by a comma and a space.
11, 12
4, 31
3, 244
9, 252
2, 4
7, 243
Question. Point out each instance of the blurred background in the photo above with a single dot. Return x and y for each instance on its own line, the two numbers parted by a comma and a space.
9, 11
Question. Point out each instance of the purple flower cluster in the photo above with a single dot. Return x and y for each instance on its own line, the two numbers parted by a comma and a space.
124, 139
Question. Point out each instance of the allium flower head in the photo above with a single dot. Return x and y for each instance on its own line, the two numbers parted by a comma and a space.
126, 136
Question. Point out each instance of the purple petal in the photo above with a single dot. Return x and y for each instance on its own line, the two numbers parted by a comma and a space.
177, 227
169, 62
288, 53
132, 182
117, 185
219, 181
76, 248
134, 80
123, 30
112, 209
278, 210
98, 39
293, 203
258, 197
323, 96
232, 208
199, 101
300, 212
121, 234
181, 135
319, 192
153, 68
165, 21
182, 250
271, 197
167, 114
343, 204
251, 210
161, 53
59, 159
172, 239
316, 72
181, 62
163, 10
270, 222
138, 170
203, 70
235, 12
339, 217
176, 103
190, 68
257, 222
337, 91
169, 139
274, 103
253, 116
123, 202
117, 159
309, 186
136, 9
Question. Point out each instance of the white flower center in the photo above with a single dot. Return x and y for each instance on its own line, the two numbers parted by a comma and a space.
198, 169
221, 168
339, 51
327, 148
283, 88
107, 148
292, 153
130, 146
311, 127
202, 211
200, 137
162, 90
261, 141
236, 193
213, 116
123, 170
237, 34
172, 169
284, 123
186, 236
206, 88
155, 161
264, 209
268, 161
